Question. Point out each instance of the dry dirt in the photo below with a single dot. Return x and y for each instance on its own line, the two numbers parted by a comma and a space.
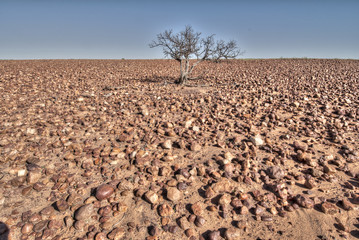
113, 149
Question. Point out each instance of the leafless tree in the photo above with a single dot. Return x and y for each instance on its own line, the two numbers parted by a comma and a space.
187, 45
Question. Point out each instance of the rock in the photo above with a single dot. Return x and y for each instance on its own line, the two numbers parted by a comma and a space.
40, 226
232, 233
310, 183
259, 210
225, 199
84, 212
47, 211
182, 186
190, 232
244, 210
33, 176
62, 205
300, 146
167, 144
257, 140
329, 169
223, 185
116, 234
55, 224
195, 147
209, 193
151, 197
145, 112
304, 201
200, 221
214, 235
197, 208
26, 229
303, 157
329, 208
173, 194
228, 156
275, 172
183, 223
153, 231
104, 192
347, 205
266, 218
165, 210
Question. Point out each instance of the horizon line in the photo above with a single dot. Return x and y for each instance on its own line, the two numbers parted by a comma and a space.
264, 58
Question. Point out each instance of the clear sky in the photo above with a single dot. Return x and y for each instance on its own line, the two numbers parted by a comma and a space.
107, 29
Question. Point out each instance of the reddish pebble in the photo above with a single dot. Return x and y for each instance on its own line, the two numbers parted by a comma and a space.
104, 192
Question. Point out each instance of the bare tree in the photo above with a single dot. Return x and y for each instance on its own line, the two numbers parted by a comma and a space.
187, 45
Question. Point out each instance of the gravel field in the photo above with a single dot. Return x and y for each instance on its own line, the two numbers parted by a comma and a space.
113, 149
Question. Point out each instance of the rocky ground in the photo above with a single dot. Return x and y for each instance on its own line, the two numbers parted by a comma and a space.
112, 149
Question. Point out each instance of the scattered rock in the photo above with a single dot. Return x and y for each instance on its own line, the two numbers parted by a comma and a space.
84, 212
275, 172
214, 235
77, 160
151, 197
257, 140
173, 194
232, 233
165, 210
304, 201
104, 192
329, 208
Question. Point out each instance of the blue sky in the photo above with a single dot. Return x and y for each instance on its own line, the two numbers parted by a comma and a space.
109, 29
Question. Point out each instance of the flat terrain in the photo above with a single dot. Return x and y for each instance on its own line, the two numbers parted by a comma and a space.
113, 149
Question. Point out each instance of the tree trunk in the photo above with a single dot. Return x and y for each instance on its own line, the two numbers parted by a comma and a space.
184, 68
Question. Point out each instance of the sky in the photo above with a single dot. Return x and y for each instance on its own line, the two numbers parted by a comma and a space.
110, 29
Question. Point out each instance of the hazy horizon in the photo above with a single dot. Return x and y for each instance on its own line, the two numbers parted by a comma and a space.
108, 29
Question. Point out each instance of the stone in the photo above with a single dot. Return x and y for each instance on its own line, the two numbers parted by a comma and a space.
154, 231
209, 193
304, 201
257, 140
116, 234
329, 208
259, 210
195, 147
275, 172
47, 211
151, 197
244, 210
199, 221
232, 233
228, 156
62, 205
104, 192
183, 223
347, 205
197, 208
33, 176
167, 144
310, 183
190, 232
214, 235
225, 199
173, 194
27, 228
84, 212
300, 146
221, 186
38, 227
165, 210
303, 157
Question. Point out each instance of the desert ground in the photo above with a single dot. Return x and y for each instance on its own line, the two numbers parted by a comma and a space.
113, 149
